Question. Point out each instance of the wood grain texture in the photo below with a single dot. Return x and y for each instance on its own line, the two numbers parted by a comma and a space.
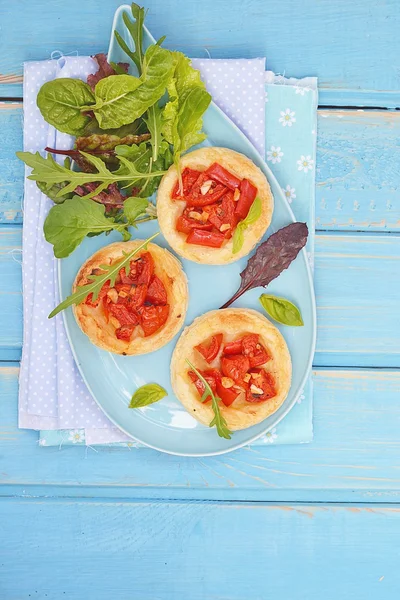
354, 456
358, 179
348, 45
357, 298
175, 551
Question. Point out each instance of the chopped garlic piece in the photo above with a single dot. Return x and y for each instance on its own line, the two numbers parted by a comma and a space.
227, 382
205, 187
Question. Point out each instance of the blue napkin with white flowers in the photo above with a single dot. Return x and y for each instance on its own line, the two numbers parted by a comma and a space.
258, 102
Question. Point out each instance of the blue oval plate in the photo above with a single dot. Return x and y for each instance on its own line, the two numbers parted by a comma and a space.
112, 379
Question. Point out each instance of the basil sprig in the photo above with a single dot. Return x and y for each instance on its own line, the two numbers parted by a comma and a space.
147, 394
281, 310
253, 215
218, 420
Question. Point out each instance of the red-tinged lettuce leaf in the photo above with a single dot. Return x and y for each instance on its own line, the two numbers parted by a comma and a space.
271, 258
104, 70
111, 197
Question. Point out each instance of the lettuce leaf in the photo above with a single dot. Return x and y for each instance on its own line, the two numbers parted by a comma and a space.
188, 101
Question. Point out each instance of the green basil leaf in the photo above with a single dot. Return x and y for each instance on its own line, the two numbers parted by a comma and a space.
69, 223
134, 207
252, 216
147, 394
281, 310
60, 101
254, 213
115, 100
238, 238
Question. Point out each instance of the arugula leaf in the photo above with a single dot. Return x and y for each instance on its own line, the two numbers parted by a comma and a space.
153, 121
115, 101
188, 100
218, 419
135, 28
134, 207
60, 101
110, 273
49, 171
281, 310
147, 394
69, 223
253, 215
141, 157
52, 191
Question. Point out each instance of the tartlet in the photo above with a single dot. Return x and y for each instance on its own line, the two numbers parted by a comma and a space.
146, 307
178, 217
248, 367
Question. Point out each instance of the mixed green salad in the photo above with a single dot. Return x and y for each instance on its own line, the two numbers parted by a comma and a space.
129, 130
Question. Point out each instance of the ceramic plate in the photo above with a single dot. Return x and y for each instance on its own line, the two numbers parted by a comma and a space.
112, 379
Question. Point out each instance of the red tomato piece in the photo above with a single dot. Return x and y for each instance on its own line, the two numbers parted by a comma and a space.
255, 352
137, 296
248, 193
189, 178
102, 294
263, 382
222, 175
123, 315
223, 214
156, 292
233, 347
145, 268
152, 318
211, 376
205, 238
127, 279
214, 193
227, 395
124, 332
185, 224
210, 352
235, 367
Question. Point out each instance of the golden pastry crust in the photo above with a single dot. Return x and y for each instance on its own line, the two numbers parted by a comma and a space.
169, 210
93, 321
233, 323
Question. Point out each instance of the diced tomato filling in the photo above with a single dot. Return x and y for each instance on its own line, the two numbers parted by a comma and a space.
138, 298
216, 200
261, 386
210, 351
239, 370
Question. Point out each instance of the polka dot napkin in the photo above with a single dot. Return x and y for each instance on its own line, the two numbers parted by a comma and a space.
53, 397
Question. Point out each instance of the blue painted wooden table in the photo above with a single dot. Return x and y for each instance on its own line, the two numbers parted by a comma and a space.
295, 523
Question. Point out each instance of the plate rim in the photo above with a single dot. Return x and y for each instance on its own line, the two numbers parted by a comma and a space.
307, 371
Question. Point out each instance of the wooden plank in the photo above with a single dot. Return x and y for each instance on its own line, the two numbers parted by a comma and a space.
332, 40
358, 179
357, 298
354, 456
176, 551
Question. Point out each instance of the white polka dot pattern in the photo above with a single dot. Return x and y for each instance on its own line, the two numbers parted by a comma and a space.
52, 393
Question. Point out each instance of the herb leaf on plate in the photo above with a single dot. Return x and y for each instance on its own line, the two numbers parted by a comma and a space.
134, 207
69, 223
218, 420
281, 310
110, 273
48, 171
271, 258
188, 101
115, 101
253, 215
147, 394
60, 101
135, 28
105, 69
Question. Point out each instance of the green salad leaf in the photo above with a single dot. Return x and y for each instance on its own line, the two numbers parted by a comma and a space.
134, 207
135, 28
218, 420
281, 310
69, 223
147, 394
115, 100
110, 273
188, 101
61, 101
252, 216
153, 121
48, 171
